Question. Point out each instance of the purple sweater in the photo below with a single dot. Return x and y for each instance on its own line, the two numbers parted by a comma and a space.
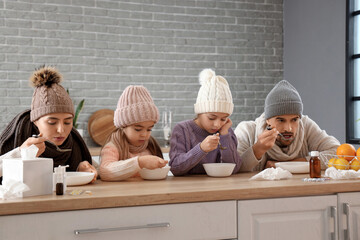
186, 156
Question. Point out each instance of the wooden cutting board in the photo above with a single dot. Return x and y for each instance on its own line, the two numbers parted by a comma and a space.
100, 125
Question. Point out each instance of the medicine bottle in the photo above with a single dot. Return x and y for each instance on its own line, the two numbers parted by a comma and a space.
315, 165
59, 177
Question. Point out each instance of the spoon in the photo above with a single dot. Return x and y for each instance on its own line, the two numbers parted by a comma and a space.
56, 146
282, 136
220, 146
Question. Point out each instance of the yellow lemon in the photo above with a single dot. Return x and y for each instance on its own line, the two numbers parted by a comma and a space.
355, 164
331, 162
341, 163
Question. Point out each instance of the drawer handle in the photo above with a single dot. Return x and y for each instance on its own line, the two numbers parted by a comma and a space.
333, 214
346, 210
99, 230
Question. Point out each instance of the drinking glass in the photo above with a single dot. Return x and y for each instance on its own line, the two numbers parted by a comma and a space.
166, 126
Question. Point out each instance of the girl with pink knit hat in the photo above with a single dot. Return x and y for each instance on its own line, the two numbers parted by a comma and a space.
130, 147
198, 141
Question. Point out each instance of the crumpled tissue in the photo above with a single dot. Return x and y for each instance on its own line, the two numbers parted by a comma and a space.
334, 173
272, 174
12, 189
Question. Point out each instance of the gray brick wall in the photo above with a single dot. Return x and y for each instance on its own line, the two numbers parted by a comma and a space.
101, 47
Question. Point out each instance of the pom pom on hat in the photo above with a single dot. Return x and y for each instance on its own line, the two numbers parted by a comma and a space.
135, 105
206, 75
45, 75
214, 94
49, 96
283, 99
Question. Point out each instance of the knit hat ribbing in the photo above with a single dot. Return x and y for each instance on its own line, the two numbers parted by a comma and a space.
283, 99
49, 96
135, 105
214, 94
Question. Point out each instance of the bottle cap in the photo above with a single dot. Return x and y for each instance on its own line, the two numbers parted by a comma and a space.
314, 153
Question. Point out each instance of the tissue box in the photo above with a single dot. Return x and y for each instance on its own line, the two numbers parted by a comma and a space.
37, 174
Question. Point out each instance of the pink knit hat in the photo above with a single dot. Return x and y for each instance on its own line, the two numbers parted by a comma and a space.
135, 105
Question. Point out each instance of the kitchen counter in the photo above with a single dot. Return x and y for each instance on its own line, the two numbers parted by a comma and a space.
138, 192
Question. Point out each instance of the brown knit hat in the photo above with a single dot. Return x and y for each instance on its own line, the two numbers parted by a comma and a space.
135, 105
49, 96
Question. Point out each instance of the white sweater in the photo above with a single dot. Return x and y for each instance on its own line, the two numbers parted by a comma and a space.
308, 138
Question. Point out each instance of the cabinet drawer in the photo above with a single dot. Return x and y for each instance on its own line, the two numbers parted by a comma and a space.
210, 220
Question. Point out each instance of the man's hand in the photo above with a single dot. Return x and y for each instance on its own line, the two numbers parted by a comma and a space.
266, 140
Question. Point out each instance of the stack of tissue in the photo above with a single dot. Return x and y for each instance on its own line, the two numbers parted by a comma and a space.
272, 174
35, 173
334, 173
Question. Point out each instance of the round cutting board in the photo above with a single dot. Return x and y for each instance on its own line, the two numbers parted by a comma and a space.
100, 125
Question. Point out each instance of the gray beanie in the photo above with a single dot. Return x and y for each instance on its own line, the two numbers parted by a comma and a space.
283, 99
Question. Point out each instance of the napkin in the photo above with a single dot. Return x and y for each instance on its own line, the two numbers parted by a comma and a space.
334, 173
272, 174
12, 189
29, 153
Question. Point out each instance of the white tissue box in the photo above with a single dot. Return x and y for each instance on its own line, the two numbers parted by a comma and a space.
37, 174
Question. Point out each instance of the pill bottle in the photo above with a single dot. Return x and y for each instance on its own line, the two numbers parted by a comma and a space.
315, 165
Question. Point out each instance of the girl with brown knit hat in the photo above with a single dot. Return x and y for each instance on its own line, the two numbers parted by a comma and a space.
130, 147
50, 118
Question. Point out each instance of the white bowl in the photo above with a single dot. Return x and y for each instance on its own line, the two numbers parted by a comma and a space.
154, 174
294, 167
219, 169
78, 178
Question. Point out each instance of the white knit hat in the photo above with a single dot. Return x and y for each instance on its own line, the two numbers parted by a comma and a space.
214, 94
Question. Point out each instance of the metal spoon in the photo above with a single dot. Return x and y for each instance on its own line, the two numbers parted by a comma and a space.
220, 146
282, 136
56, 146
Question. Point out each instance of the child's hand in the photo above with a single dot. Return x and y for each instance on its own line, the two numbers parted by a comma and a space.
151, 162
225, 128
85, 166
210, 143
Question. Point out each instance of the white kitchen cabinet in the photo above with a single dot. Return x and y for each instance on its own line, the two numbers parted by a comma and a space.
349, 215
295, 218
209, 220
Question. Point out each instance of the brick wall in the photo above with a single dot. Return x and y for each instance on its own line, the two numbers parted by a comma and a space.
101, 47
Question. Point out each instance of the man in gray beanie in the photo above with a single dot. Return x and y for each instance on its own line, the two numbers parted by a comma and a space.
281, 133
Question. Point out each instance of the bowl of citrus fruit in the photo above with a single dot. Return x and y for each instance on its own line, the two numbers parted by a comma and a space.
347, 157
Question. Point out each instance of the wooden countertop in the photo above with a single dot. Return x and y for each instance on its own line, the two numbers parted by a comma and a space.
138, 192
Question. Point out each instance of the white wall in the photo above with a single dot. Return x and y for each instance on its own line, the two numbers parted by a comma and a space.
314, 59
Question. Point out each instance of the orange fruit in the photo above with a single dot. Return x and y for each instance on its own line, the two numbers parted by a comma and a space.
341, 163
355, 165
358, 152
346, 151
331, 162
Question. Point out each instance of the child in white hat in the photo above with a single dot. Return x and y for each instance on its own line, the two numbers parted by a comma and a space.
130, 147
197, 141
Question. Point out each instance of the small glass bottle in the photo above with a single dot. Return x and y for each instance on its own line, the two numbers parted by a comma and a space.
59, 181
315, 165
